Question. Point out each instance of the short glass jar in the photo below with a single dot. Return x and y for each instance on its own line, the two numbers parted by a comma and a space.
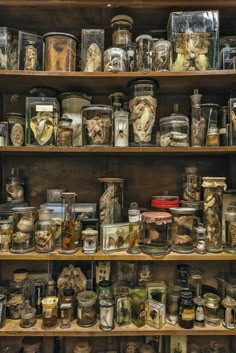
211, 306
86, 310
186, 310
16, 129
230, 230
130, 51
65, 132
115, 60
161, 54
45, 231
213, 137
23, 233
49, 312
60, 51
122, 27
155, 232
6, 231
27, 316
143, 53
142, 106
98, 125
90, 240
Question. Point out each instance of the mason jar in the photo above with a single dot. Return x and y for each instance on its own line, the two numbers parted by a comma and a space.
45, 231
143, 54
121, 30
142, 106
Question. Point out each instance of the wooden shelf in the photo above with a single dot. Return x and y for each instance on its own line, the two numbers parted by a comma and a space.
12, 328
218, 81
117, 256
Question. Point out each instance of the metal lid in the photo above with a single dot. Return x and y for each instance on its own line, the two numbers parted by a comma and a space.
97, 107
122, 18
144, 36
74, 94
197, 205
111, 180
156, 217
182, 210
68, 195
106, 284
50, 34
210, 105
186, 294
89, 232
19, 115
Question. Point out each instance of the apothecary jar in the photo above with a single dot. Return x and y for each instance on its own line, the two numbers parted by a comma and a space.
45, 231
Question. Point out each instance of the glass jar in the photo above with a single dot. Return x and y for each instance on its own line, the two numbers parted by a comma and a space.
130, 51
230, 230
121, 129
142, 106
198, 128
49, 312
223, 126
155, 232
86, 311
64, 133
209, 111
174, 130
199, 312
23, 233
90, 240
39, 289
106, 304
195, 281
2, 309
123, 310
143, 53
16, 129
232, 121
213, 138
6, 231
134, 229
211, 306
212, 219
9, 49
200, 240
186, 310
72, 104
15, 187
182, 276
198, 206
111, 201
3, 133
230, 306
144, 274
160, 55
97, 125
182, 230
137, 302
191, 184
60, 51
115, 60
15, 304
27, 316
172, 299
68, 245
67, 307
45, 231
122, 27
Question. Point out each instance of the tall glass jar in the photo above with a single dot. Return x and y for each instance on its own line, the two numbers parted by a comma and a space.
155, 232
172, 299
223, 126
121, 128
98, 125
182, 230
130, 51
212, 218
161, 55
23, 233
107, 305
39, 289
68, 223
143, 55
195, 281
16, 129
60, 51
211, 306
186, 310
86, 312
142, 106
49, 312
15, 187
198, 123
122, 27
45, 231
64, 133
230, 230
6, 231
191, 184
111, 201
209, 111
72, 104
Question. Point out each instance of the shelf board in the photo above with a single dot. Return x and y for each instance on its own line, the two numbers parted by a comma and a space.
12, 328
117, 256
219, 81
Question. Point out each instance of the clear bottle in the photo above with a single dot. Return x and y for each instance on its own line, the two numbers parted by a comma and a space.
195, 281
90, 240
15, 187
45, 231
230, 230
115, 60
121, 129
27, 316
172, 299
191, 184
130, 51
230, 307
65, 133
16, 129
3, 133
200, 239
122, 27
106, 305
209, 111
68, 223
143, 55
213, 138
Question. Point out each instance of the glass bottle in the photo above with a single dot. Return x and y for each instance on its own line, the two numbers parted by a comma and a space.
123, 310
143, 54
232, 120
2, 309
134, 229
115, 60
14, 187
117, 100
142, 106
223, 123
49, 312
212, 218
86, 310
45, 231
6, 231
67, 307
137, 302
68, 223
209, 111
230, 312
111, 201
27, 316
121, 128
191, 184
121, 30
64, 132
38, 294
16, 129
90, 240
196, 281
172, 299
186, 310
230, 230
198, 125
51, 288
182, 276
130, 51
200, 240
106, 304
199, 312
161, 54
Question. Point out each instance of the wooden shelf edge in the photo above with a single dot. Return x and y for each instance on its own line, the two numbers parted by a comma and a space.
12, 328
117, 256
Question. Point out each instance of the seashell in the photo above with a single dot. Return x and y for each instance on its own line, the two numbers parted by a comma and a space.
42, 127
25, 225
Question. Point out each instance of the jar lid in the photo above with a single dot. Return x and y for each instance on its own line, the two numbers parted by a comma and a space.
50, 300
186, 294
121, 114
106, 284
45, 213
65, 119
68, 292
182, 210
165, 201
90, 232
97, 107
68, 195
210, 105
43, 91
228, 302
143, 36
73, 94
87, 297
23, 209
18, 115
214, 182
196, 272
157, 217
111, 180
199, 300
50, 34
174, 118
143, 83
211, 299
122, 18
197, 205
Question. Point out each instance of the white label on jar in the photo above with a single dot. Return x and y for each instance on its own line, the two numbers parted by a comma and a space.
44, 108
134, 219
48, 313
106, 316
79, 313
200, 314
234, 105
222, 130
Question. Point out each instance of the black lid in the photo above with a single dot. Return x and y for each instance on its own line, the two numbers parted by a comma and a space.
143, 82
105, 284
186, 294
68, 292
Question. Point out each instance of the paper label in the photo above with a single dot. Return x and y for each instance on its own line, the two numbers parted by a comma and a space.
44, 108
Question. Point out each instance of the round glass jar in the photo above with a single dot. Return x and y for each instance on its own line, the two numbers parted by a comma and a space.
172, 299
115, 60
155, 234
211, 306
45, 231
90, 240
49, 312
230, 230
174, 130
98, 125
212, 218
186, 310
6, 231
130, 51
182, 230
60, 51
143, 53
86, 311
72, 104
64, 133
16, 129
161, 55
23, 232
27, 316
122, 27
191, 184
142, 106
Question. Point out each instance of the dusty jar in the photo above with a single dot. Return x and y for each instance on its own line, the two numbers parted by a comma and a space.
86, 312
143, 54
45, 231
115, 60
161, 55
121, 26
90, 239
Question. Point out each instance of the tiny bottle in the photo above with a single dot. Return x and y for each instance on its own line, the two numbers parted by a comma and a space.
134, 228
199, 312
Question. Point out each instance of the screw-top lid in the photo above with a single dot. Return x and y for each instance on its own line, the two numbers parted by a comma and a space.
106, 284
122, 19
186, 294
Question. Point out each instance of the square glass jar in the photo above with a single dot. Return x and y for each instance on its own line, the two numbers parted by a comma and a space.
8, 49
92, 48
30, 52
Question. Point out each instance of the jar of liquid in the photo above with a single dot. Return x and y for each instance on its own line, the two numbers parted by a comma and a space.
49, 312
23, 233
45, 231
230, 230
67, 307
137, 302
27, 316
68, 223
6, 231
155, 232
209, 112
65, 133
130, 51
115, 60
39, 285
200, 240
122, 27
213, 138
195, 281
186, 310
223, 124
161, 55
121, 129
86, 311
90, 240
211, 306
16, 129
191, 184
182, 230
60, 51
106, 305
172, 299
143, 55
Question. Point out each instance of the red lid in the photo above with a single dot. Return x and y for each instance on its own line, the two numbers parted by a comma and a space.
165, 201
